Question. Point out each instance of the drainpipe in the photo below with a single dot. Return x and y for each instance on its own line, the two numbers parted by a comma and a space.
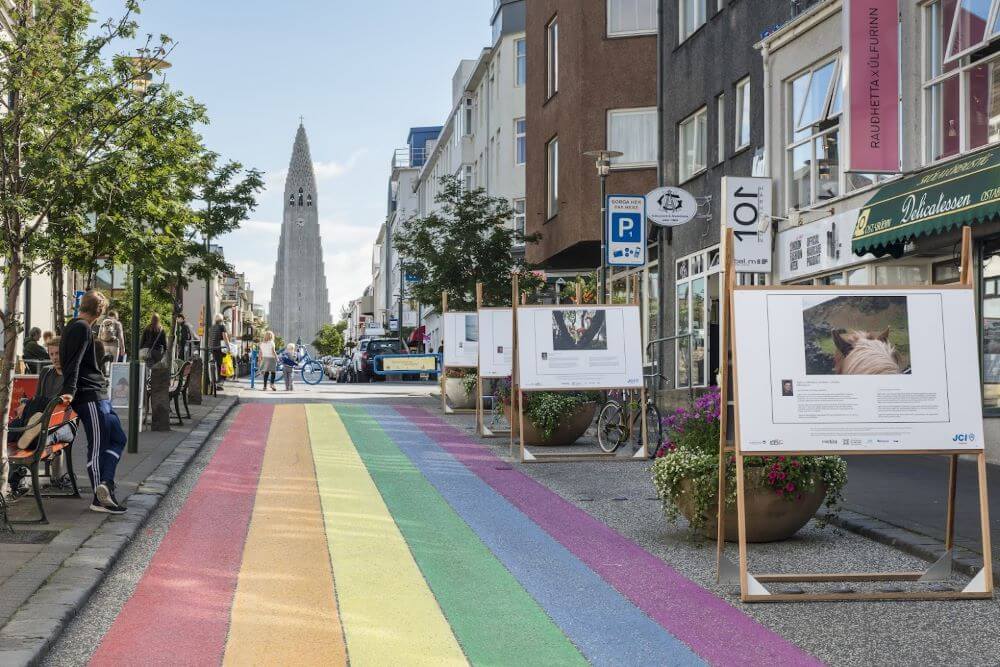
765, 53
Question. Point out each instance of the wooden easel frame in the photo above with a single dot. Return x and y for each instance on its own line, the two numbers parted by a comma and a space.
447, 409
518, 449
752, 587
481, 427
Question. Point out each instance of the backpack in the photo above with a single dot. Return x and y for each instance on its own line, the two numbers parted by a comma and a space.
109, 331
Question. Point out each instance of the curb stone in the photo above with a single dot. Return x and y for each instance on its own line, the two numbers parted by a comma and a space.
32, 630
964, 561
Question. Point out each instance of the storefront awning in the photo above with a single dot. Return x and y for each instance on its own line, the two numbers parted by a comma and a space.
963, 192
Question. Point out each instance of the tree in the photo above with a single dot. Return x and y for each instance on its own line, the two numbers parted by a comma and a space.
469, 240
67, 110
330, 339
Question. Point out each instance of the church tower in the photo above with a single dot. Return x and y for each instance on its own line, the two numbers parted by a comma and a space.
300, 305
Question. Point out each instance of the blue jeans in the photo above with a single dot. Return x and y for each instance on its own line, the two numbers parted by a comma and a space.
105, 440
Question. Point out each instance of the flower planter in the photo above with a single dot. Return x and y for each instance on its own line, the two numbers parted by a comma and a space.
568, 432
458, 398
770, 517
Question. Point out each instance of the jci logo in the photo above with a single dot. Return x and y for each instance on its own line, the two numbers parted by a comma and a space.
964, 437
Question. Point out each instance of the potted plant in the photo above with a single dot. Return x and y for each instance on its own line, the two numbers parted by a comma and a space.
460, 388
551, 418
782, 492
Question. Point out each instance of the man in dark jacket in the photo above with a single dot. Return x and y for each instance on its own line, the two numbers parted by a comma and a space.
34, 354
183, 337
84, 388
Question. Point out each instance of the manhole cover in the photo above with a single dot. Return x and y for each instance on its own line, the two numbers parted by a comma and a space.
28, 536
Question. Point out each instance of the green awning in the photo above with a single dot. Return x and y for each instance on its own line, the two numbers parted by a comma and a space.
935, 200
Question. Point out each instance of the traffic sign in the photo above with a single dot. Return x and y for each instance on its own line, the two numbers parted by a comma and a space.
670, 206
626, 230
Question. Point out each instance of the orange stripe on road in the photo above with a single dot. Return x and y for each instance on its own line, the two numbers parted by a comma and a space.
285, 610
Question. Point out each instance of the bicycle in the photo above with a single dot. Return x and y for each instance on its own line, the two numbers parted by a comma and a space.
312, 370
619, 421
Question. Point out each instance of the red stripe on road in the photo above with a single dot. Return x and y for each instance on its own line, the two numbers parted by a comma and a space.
179, 612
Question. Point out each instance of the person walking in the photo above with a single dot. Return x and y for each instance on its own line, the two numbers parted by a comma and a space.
268, 359
112, 336
84, 388
183, 336
289, 360
218, 342
153, 344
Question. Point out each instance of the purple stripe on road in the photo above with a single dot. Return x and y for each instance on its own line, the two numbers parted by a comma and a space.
713, 628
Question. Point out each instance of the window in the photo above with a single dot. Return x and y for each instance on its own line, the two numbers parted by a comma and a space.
813, 149
300, 196
961, 93
520, 62
742, 118
309, 200
631, 17
720, 119
520, 141
519, 219
696, 317
552, 57
467, 183
971, 27
692, 17
633, 132
692, 138
552, 176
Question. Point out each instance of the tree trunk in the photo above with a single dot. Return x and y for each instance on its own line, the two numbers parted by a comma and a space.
12, 296
58, 296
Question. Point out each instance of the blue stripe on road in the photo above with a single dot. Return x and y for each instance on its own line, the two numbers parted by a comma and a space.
606, 627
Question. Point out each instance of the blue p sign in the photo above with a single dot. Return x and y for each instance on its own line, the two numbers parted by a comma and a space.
626, 228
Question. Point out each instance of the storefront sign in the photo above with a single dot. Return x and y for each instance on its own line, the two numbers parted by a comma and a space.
817, 247
670, 206
872, 63
626, 232
931, 201
746, 208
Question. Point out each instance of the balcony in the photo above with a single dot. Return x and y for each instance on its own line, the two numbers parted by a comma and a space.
801, 6
406, 158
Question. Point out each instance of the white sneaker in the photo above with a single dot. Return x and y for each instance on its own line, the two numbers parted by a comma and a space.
103, 493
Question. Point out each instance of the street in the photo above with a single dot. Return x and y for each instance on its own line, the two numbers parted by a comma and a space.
377, 531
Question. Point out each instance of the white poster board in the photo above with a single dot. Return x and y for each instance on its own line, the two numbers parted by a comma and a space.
579, 347
857, 369
118, 387
461, 340
746, 208
496, 342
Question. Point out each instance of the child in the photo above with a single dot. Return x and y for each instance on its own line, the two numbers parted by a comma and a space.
289, 359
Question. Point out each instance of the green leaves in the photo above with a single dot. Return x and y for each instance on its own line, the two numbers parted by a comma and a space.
469, 239
330, 339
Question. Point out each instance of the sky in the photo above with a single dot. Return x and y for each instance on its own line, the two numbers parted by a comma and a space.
360, 73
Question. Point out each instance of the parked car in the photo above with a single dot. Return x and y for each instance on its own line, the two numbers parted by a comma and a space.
332, 366
367, 350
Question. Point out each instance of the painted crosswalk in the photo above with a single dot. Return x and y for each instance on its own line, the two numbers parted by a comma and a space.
334, 533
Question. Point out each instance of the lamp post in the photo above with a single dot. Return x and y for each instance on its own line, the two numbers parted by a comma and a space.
146, 66
603, 159
206, 354
402, 291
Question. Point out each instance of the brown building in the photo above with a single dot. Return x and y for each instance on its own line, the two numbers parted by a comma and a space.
591, 85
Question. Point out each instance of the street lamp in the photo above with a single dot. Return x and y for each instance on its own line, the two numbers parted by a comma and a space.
145, 67
603, 160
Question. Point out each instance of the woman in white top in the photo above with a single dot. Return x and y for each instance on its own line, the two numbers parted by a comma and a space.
268, 359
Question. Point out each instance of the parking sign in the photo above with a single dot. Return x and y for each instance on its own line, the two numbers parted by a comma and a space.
626, 230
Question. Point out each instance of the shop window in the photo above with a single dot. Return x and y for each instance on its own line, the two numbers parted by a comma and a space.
696, 320
961, 90
894, 274
990, 305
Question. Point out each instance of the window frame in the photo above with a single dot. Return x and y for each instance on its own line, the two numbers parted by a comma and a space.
681, 145
552, 177
521, 215
552, 57
720, 128
616, 163
628, 33
742, 85
682, 15
520, 62
520, 142
988, 36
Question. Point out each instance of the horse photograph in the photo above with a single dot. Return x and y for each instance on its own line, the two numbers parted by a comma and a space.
856, 335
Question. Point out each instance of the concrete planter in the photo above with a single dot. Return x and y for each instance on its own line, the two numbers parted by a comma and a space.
458, 398
567, 433
770, 518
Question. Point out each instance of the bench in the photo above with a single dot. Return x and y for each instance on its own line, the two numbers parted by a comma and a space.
55, 416
178, 391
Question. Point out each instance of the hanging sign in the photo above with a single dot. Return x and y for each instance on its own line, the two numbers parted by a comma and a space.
626, 233
871, 33
670, 206
746, 207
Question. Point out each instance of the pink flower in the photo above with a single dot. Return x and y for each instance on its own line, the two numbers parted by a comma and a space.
790, 487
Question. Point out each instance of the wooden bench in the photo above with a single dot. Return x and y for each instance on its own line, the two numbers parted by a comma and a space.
178, 391
56, 415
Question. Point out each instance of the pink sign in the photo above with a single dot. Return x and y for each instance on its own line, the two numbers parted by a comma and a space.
873, 84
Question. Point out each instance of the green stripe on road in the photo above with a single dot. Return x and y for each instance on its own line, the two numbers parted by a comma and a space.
495, 620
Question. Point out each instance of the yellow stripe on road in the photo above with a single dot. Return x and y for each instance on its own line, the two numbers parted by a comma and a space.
285, 611
389, 614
